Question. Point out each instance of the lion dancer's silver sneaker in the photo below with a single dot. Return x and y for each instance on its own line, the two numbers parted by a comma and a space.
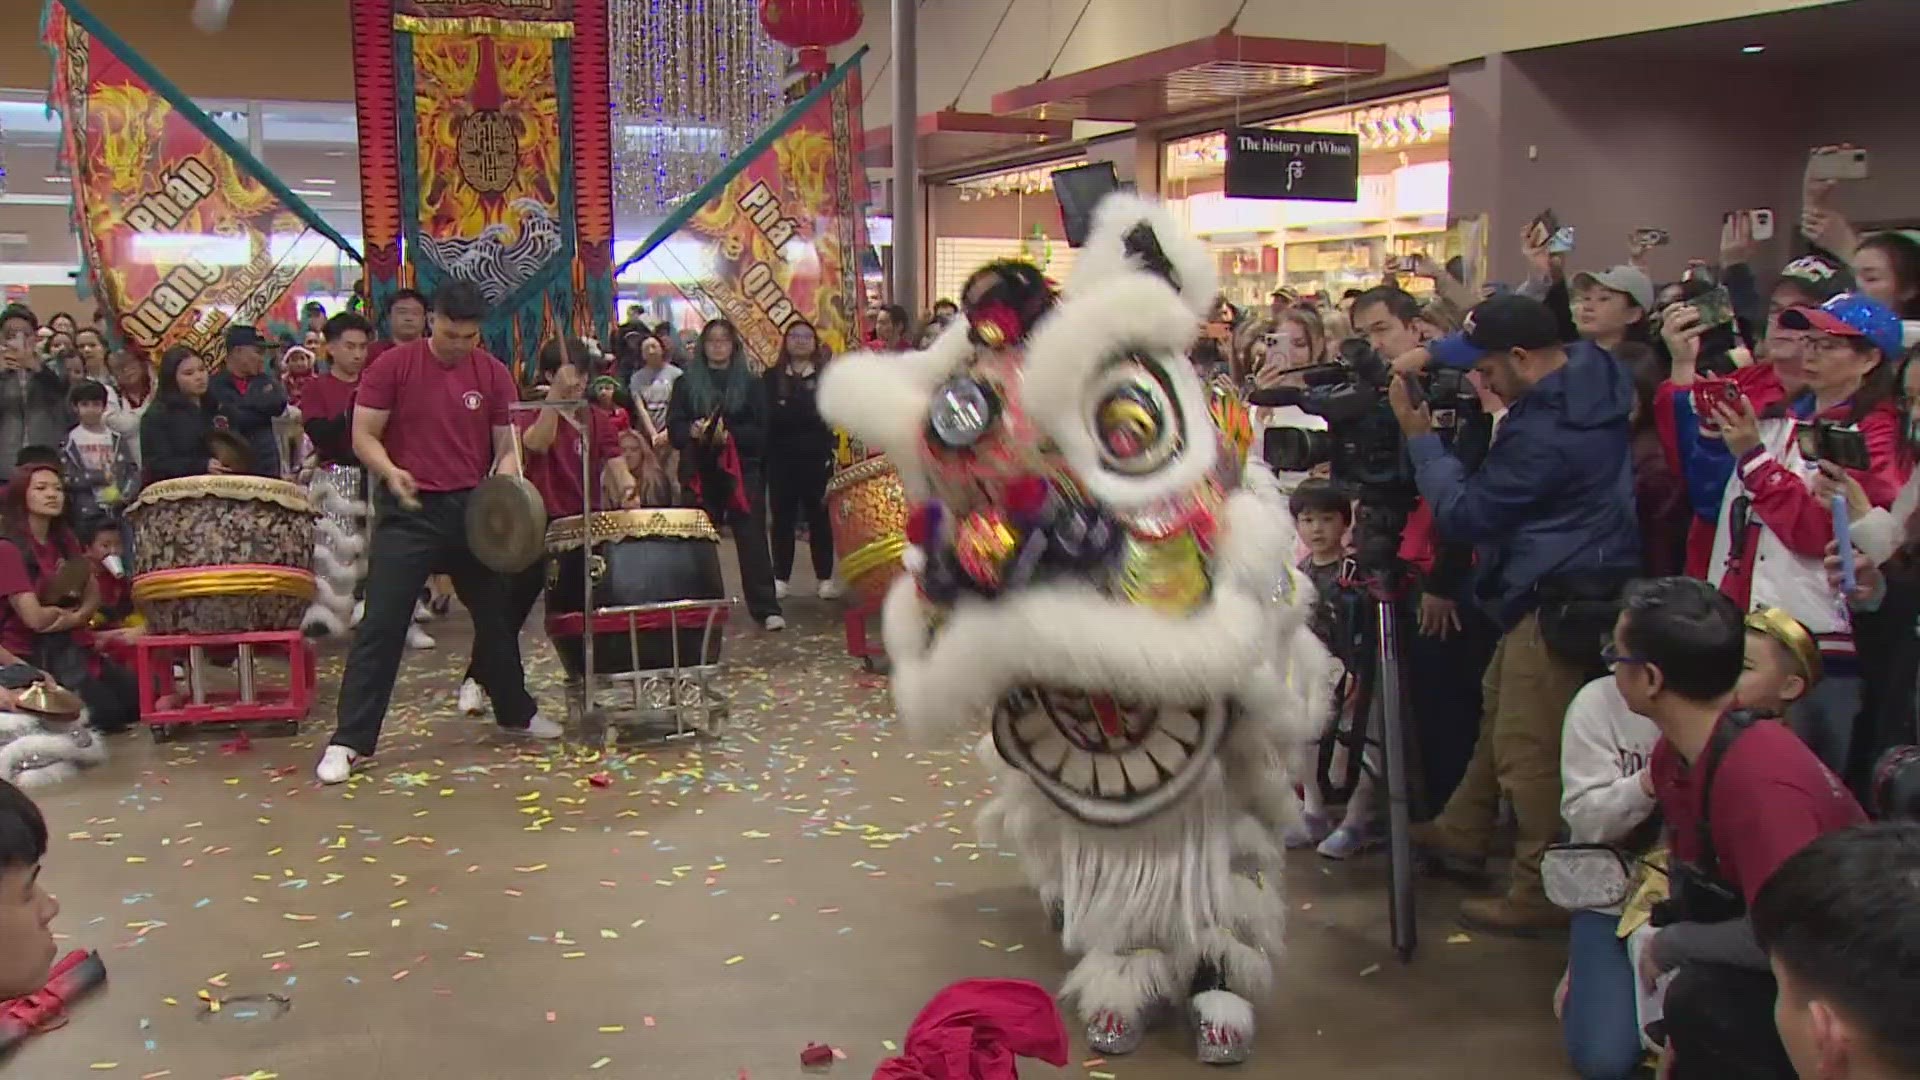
1098, 576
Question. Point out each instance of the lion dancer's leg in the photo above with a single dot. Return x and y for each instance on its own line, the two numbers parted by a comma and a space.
1233, 962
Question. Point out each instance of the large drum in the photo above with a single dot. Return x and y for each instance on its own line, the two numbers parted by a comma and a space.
868, 508
222, 555
634, 558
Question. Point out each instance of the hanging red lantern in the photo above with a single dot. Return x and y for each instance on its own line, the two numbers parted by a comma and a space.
811, 26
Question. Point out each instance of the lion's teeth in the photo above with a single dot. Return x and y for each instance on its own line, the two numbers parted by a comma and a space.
1032, 727
1166, 750
1113, 779
1077, 773
1140, 771
1182, 725
1049, 751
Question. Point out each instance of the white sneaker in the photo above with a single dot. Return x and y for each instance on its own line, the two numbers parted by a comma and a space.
775, 622
831, 589
538, 728
780, 590
418, 638
359, 612
336, 765
472, 700
421, 612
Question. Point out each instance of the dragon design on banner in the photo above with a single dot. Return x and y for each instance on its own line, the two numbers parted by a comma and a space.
485, 159
1097, 578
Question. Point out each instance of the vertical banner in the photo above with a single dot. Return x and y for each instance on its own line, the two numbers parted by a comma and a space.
776, 236
485, 159
182, 231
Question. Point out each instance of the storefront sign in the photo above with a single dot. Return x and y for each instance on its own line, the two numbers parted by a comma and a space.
1313, 166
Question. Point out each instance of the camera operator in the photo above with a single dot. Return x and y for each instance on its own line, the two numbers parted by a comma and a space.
1551, 511
1738, 795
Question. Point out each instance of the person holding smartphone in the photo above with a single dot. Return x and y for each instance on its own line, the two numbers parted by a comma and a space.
1773, 529
33, 396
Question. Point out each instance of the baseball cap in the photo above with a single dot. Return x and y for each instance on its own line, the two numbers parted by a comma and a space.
1850, 315
1816, 276
1497, 325
1621, 279
239, 337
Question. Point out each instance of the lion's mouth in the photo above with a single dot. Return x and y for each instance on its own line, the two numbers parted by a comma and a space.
1107, 760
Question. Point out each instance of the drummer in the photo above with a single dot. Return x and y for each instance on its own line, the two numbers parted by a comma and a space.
551, 440
431, 420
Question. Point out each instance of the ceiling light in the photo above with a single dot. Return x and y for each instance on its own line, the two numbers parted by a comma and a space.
59, 179
336, 153
309, 192
1751, 50
318, 180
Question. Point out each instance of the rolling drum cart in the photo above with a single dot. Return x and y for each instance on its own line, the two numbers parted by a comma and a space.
637, 673
253, 701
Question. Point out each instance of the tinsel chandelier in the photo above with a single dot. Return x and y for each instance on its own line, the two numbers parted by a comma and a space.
694, 81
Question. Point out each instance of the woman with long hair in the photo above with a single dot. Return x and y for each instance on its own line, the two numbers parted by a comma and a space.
1887, 268
799, 458
175, 432
717, 419
90, 351
133, 392
39, 627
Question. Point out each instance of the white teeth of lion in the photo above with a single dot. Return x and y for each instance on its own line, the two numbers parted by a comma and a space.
1182, 725
1032, 727
1166, 750
1077, 773
1112, 778
1049, 751
1140, 771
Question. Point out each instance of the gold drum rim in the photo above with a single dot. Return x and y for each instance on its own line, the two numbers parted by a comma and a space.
201, 582
675, 523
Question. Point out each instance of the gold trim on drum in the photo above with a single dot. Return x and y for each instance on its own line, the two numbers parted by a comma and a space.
204, 581
873, 556
872, 468
563, 534
241, 488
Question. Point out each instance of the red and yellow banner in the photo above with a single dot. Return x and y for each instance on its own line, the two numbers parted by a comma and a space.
184, 233
776, 236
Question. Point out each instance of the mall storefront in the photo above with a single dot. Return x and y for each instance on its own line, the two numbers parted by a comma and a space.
1325, 247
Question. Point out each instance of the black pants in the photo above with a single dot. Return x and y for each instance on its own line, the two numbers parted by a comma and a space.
795, 487
408, 546
1719, 1022
523, 591
1444, 712
749, 529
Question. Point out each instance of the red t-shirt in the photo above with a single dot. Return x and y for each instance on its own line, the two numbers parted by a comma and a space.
556, 470
440, 417
15, 635
374, 349
1771, 797
328, 397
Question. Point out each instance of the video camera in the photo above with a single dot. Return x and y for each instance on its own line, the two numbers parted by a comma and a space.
1363, 440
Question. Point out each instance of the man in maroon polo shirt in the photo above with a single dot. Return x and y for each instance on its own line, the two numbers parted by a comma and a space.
326, 405
1739, 796
406, 322
431, 421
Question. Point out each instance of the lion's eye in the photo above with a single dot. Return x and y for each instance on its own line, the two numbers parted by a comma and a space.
1134, 419
963, 411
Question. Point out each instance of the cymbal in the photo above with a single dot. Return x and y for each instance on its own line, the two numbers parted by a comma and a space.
230, 450
506, 524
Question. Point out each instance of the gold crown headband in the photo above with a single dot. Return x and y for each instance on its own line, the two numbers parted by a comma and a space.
1785, 629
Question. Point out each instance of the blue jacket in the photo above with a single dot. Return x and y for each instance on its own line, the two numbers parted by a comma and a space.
1555, 494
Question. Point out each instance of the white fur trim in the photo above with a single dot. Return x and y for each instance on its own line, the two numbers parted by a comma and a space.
903, 623
882, 398
1127, 984
1104, 259
1072, 635
327, 623
1069, 349
1226, 1010
1246, 968
39, 754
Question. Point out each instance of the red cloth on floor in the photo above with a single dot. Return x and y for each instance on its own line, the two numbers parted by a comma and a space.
977, 1029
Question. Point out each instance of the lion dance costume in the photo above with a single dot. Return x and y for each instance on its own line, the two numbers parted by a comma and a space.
1096, 574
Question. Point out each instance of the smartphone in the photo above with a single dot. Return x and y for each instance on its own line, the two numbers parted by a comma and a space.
1562, 241
1843, 544
1715, 306
1762, 222
1542, 229
1842, 444
1837, 163
1403, 264
1651, 238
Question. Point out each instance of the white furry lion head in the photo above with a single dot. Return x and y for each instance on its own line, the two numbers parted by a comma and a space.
1079, 486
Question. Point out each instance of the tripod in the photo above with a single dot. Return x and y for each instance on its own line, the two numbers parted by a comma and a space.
1378, 703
